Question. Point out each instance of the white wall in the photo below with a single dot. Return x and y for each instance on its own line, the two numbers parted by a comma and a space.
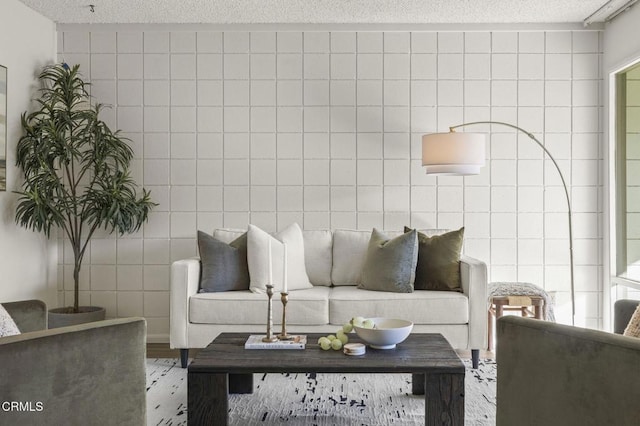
324, 128
621, 41
28, 263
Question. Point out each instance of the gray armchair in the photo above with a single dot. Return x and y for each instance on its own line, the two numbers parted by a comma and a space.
90, 374
552, 374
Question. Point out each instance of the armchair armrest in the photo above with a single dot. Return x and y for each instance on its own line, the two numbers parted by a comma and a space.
88, 373
185, 279
473, 273
29, 315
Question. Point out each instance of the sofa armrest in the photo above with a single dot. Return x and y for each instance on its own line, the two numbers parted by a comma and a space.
89, 373
185, 279
473, 273
29, 315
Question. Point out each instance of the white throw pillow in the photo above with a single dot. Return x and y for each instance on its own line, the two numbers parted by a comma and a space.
8, 326
258, 259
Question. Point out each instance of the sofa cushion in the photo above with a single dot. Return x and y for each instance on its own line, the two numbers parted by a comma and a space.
224, 266
421, 307
226, 235
263, 248
8, 326
390, 263
439, 261
305, 307
633, 328
318, 247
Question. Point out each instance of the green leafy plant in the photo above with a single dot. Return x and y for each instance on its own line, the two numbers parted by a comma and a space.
76, 170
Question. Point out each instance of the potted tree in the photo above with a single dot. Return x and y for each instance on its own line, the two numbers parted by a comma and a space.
76, 176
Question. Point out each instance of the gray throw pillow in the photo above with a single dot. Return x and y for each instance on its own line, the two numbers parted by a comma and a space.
223, 266
390, 264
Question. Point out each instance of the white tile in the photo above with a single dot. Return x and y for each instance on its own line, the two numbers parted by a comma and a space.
477, 42
316, 145
450, 93
343, 66
289, 92
423, 198
103, 277
343, 172
476, 66
343, 119
156, 172
557, 67
316, 66
423, 119
156, 42
396, 199
450, 42
450, 199
289, 145
503, 198
183, 66
586, 66
369, 66
236, 119
263, 172
183, 42
531, 93
343, 145
531, 66
130, 119
424, 42
477, 199
183, 92
397, 146
586, 119
424, 66
262, 41
316, 92
289, 198
236, 42
585, 147
343, 199
369, 198
504, 66
316, 198
103, 66
396, 92
263, 199
369, 92
503, 172
183, 172
369, 145
503, 252
289, 66
157, 226
586, 93
503, 225
103, 42
289, 42
209, 66
504, 42
343, 42
557, 93
396, 119
103, 251
396, 66
104, 91
183, 198
316, 172
263, 93
450, 66
129, 66
396, 172
156, 303
558, 42
76, 42
129, 277
210, 92
209, 198
557, 119
343, 93
156, 66
236, 198
209, 41
129, 251
209, 119
530, 199
156, 145
129, 42
183, 145
585, 41
370, 172
209, 144
397, 42
263, 66
236, 92
476, 225
130, 303
316, 119
531, 42
183, 119
182, 248
236, 145
370, 42
209, 172
263, 119
289, 172
316, 42
236, 66
583, 172
530, 172
289, 119
476, 93
156, 92
369, 119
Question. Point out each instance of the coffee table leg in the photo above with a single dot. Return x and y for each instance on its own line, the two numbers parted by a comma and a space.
208, 399
444, 399
240, 383
417, 384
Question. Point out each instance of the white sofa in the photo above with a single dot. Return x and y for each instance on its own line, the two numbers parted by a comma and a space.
333, 261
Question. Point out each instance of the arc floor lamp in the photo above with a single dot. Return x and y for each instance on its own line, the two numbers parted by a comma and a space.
464, 154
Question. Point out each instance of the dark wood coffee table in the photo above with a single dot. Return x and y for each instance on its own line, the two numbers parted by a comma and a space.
226, 367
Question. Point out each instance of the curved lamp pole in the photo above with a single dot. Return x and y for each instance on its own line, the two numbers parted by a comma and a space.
463, 154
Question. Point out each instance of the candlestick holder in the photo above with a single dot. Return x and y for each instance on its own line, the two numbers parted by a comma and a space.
270, 338
284, 298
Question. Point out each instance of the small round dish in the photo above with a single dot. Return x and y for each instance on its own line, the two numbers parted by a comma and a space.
354, 349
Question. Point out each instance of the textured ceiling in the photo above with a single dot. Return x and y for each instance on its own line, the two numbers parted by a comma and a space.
316, 11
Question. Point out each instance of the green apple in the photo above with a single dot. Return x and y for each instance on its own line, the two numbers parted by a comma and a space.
336, 344
326, 345
368, 323
347, 328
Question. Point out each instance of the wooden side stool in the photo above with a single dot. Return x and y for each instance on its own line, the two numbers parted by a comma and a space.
499, 304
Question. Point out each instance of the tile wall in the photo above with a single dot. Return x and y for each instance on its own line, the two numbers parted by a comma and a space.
324, 128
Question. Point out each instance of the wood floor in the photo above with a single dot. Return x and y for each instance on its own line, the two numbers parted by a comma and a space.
162, 350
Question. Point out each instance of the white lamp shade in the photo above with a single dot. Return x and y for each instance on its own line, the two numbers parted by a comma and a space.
453, 153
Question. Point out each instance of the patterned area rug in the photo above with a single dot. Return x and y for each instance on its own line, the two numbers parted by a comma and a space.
319, 399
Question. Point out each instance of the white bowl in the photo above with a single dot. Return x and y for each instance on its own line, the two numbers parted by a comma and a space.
386, 334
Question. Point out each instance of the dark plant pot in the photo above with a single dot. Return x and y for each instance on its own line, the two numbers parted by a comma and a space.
61, 317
